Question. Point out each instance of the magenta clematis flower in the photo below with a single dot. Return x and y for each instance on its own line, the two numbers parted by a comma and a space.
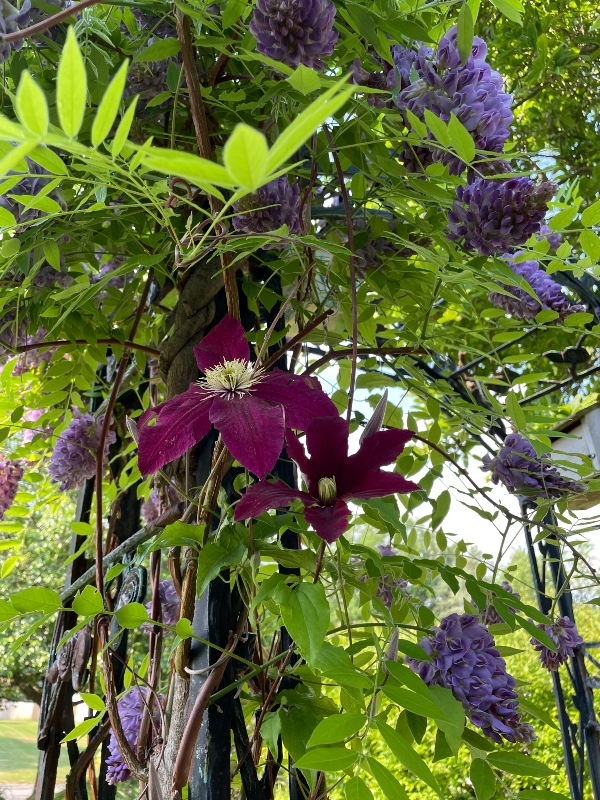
332, 476
251, 408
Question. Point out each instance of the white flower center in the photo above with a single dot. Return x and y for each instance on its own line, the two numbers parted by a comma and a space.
327, 491
231, 379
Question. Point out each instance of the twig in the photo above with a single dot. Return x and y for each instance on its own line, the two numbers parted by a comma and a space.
49, 22
25, 348
299, 337
364, 351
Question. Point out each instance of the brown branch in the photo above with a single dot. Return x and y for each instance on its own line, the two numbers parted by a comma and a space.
364, 351
85, 758
65, 343
49, 22
299, 337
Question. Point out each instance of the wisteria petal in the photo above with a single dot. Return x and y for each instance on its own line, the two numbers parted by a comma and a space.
262, 496
378, 450
252, 431
297, 453
225, 342
301, 397
327, 443
329, 522
377, 483
182, 422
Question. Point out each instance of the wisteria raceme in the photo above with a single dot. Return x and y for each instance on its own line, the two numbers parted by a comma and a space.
522, 304
33, 415
519, 468
553, 239
11, 19
472, 91
490, 616
275, 204
131, 709
466, 661
11, 473
295, 31
148, 79
565, 637
169, 606
73, 459
395, 77
493, 216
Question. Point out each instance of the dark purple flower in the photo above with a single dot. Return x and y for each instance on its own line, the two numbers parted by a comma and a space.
554, 239
250, 407
295, 31
522, 471
465, 660
275, 204
493, 216
490, 616
73, 459
564, 635
11, 19
11, 473
131, 710
332, 476
472, 91
169, 606
147, 78
522, 304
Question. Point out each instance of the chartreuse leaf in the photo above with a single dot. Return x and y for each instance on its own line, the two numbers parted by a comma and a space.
36, 598
332, 759
540, 794
10, 131
464, 32
536, 632
408, 757
461, 139
514, 411
356, 789
590, 242
305, 80
7, 219
88, 602
93, 701
336, 728
199, 171
31, 105
438, 127
511, 9
307, 123
483, 779
132, 615
80, 730
71, 86
7, 611
411, 701
305, 613
109, 106
123, 129
388, 783
591, 216
519, 764
245, 157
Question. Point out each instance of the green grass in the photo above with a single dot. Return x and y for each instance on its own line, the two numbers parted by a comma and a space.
19, 754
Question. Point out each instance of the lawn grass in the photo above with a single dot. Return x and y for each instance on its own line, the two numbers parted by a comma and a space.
19, 754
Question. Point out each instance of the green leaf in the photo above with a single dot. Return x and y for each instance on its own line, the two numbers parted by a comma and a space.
408, 757
590, 242
388, 783
438, 127
416, 124
453, 710
48, 159
158, 50
7, 219
71, 86
180, 534
267, 588
536, 632
536, 711
114, 572
93, 701
270, 731
88, 602
52, 253
441, 508
123, 129
7, 610
197, 170
483, 779
356, 789
305, 613
109, 106
132, 615
464, 32
31, 105
233, 11
336, 665
184, 629
331, 759
9, 565
540, 794
413, 650
337, 728
10, 131
307, 123
519, 764
512, 9
212, 559
36, 598
82, 729
245, 157
411, 701
305, 80
461, 139
515, 412
562, 219
591, 215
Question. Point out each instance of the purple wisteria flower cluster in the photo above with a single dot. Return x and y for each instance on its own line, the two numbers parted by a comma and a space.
11, 473
522, 304
275, 204
490, 616
465, 660
11, 19
295, 31
493, 216
395, 77
169, 606
131, 709
519, 468
553, 239
565, 637
73, 459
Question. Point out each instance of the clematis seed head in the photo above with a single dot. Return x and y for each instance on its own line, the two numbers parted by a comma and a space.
327, 491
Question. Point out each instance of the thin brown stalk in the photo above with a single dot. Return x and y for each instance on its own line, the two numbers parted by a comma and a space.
364, 351
298, 338
49, 22
25, 348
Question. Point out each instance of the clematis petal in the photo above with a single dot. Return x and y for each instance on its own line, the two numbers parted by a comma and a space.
327, 443
252, 431
378, 450
225, 342
262, 496
329, 522
182, 422
297, 453
302, 397
377, 483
